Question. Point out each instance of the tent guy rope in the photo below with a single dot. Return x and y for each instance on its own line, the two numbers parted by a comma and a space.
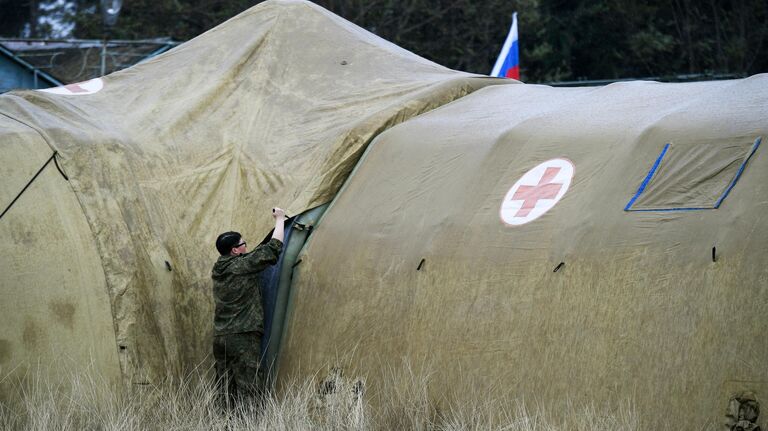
53, 157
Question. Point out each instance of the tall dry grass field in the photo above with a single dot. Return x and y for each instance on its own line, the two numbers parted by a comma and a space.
85, 401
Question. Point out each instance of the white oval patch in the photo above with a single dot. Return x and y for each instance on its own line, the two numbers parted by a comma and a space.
81, 88
537, 192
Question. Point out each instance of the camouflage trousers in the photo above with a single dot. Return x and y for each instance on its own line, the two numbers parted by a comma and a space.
238, 373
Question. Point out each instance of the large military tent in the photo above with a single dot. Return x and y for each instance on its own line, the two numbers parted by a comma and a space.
647, 281
566, 245
105, 256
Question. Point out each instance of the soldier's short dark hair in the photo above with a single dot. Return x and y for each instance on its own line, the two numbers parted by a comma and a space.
226, 241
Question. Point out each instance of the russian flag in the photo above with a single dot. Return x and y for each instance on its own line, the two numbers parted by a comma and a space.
508, 63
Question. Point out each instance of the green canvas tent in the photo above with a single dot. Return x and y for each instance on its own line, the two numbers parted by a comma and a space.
558, 245
562, 244
106, 260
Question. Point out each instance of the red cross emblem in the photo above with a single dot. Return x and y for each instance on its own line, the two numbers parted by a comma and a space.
537, 191
77, 89
545, 189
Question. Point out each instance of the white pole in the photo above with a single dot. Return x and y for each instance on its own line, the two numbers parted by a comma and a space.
104, 56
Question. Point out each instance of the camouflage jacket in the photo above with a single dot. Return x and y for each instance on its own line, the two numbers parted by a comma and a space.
236, 289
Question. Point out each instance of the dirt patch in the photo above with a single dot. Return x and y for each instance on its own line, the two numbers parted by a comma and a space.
32, 335
5, 351
64, 312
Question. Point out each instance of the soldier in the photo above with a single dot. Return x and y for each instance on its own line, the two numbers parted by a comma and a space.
239, 317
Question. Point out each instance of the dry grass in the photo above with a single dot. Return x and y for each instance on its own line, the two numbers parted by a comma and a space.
87, 402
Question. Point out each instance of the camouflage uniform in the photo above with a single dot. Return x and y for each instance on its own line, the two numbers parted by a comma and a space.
239, 318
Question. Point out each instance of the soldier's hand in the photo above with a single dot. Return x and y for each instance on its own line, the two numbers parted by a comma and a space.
278, 213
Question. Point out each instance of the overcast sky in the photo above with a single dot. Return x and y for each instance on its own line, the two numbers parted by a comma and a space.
52, 12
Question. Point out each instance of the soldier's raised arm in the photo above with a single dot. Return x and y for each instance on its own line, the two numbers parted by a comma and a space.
279, 232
